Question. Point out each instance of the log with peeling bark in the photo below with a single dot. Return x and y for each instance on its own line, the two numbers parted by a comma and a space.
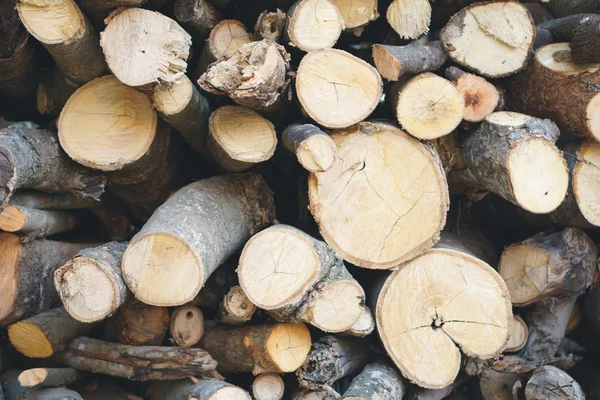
204, 389
549, 382
90, 284
32, 223
313, 148
277, 348
313, 25
581, 30
514, 156
186, 326
138, 324
49, 377
192, 234
198, 16
378, 380
364, 325
518, 334
357, 14
268, 387
393, 62
297, 278
138, 363
468, 305
236, 308
371, 192
409, 18
54, 91
493, 39
481, 98
51, 394
269, 25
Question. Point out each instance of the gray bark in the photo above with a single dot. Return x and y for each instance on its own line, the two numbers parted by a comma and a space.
377, 381
51, 394
50, 201
198, 16
582, 31
415, 57
42, 223
188, 390
549, 382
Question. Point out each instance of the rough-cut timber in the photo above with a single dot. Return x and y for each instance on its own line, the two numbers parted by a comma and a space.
539, 90
224, 41
198, 16
371, 196
33, 159
313, 25
138, 363
462, 302
26, 275
268, 387
357, 14
239, 138
144, 47
236, 308
269, 25
297, 278
377, 380
204, 389
53, 91
138, 324
277, 348
45, 334
518, 335
392, 62
549, 382
186, 326
34, 223
493, 39
90, 284
192, 234
51, 394
582, 31
314, 148
480, 97
364, 325
514, 156
564, 8
428, 106
49, 377
256, 76
409, 18
337, 89
331, 359
67, 35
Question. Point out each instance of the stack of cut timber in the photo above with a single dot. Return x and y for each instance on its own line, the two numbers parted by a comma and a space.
287, 200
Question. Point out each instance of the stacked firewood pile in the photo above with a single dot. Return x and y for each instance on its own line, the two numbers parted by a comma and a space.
320, 199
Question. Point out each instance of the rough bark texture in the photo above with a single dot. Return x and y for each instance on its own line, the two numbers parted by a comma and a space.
53, 92
395, 61
198, 16
377, 381
188, 390
139, 324
582, 30
139, 363
314, 149
49, 377
563, 8
51, 394
549, 382
269, 25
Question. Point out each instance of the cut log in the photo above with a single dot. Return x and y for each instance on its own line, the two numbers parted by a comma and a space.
357, 14
518, 334
32, 159
331, 359
297, 278
366, 202
53, 92
364, 325
67, 35
269, 25
268, 387
239, 138
51, 394
34, 223
481, 98
314, 149
581, 30
277, 348
549, 382
90, 284
392, 62
345, 84
26, 278
377, 380
224, 41
139, 324
537, 91
144, 47
256, 76
409, 18
204, 389
48, 377
45, 334
139, 363
198, 16
187, 326
497, 386
185, 109
183, 243
236, 308
313, 25
493, 39
428, 106
467, 305
564, 8
514, 156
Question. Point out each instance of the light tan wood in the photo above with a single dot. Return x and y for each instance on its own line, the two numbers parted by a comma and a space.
409, 18
586, 181
224, 40
314, 148
518, 334
268, 387
236, 308
364, 325
313, 25
187, 326
357, 13
12, 219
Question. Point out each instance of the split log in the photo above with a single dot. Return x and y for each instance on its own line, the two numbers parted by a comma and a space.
54, 91
364, 325
51, 394
377, 380
268, 387
90, 284
277, 348
331, 359
239, 138
393, 62
549, 382
138, 363
371, 192
269, 25
493, 39
168, 262
409, 18
564, 8
67, 35
313, 25
256, 76
34, 223
27, 271
186, 326
468, 305
481, 98
581, 30
48, 377
185, 109
33, 159
297, 278
514, 156
224, 41
204, 389
357, 14
198, 16
518, 334
497, 386
138, 324
345, 84
236, 308
538, 91
144, 47
428, 106
314, 148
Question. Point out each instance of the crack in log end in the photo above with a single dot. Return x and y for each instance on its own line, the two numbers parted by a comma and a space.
7, 177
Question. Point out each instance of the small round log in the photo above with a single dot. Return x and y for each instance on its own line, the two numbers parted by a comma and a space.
268, 387
186, 326
313, 25
236, 308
